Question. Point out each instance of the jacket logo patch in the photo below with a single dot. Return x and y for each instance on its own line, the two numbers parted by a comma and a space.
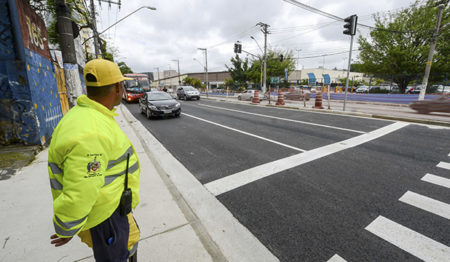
93, 168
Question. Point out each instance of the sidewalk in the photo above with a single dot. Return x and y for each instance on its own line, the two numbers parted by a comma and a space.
399, 112
26, 217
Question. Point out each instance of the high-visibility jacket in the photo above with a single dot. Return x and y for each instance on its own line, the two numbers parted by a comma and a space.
86, 164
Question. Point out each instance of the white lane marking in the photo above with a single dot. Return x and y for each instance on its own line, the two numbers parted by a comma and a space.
412, 242
428, 204
336, 258
444, 165
286, 119
437, 180
242, 178
246, 133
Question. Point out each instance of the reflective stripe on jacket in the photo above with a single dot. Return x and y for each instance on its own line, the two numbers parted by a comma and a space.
86, 165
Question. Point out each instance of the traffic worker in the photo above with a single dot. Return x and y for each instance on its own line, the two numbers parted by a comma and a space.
87, 165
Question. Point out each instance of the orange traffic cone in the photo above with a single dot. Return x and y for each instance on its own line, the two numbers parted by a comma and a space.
318, 103
280, 101
256, 97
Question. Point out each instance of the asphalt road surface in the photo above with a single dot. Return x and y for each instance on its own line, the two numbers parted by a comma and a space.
319, 187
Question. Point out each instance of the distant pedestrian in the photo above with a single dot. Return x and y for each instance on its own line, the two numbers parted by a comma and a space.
89, 156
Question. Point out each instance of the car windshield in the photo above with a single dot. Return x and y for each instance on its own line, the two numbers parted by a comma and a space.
189, 89
155, 96
131, 83
135, 89
144, 83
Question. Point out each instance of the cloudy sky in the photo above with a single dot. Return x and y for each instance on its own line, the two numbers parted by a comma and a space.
149, 39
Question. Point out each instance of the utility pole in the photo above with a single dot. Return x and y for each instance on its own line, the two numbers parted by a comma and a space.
431, 54
94, 28
157, 68
206, 69
265, 31
298, 55
65, 35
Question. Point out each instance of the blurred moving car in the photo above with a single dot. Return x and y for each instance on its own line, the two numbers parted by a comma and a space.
187, 93
297, 95
132, 91
362, 89
441, 104
249, 94
158, 103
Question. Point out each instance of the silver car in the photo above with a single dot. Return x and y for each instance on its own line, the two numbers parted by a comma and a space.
249, 94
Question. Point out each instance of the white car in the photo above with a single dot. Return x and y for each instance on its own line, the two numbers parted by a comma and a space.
362, 89
249, 94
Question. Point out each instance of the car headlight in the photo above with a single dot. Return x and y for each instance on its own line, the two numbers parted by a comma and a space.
152, 107
177, 105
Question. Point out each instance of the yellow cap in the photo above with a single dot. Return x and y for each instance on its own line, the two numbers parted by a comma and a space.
101, 72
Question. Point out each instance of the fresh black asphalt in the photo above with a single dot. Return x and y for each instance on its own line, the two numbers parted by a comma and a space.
318, 209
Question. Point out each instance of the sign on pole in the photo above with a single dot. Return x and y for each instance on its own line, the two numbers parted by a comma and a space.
286, 74
275, 80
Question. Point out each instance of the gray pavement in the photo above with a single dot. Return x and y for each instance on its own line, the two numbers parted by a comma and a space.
167, 233
400, 112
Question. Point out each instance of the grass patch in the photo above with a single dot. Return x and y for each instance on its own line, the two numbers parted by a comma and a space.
11, 158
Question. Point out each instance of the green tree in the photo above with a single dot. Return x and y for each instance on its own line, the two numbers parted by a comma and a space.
124, 68
400, 44
275, 67
195, 82
239, 71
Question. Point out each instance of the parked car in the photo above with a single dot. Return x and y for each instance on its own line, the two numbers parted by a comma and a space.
249, 94
441, 104
413, 89
158, 103
133, 92
439, 89
187, 93
297, 95
362, 89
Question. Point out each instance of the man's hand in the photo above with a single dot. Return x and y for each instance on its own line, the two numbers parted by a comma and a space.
59, 241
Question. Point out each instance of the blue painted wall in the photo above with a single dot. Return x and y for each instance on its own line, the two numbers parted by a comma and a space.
30, 107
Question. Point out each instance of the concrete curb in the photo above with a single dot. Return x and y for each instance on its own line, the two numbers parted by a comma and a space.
220, 232
376, 116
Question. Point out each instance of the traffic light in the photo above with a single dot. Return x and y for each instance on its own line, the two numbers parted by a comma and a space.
350, 25
237, 47
281, 58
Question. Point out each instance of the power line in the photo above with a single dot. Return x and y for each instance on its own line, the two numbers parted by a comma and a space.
337, 18
246, 32
339, 53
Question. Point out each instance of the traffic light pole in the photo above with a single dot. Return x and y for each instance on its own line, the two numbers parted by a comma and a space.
348, 71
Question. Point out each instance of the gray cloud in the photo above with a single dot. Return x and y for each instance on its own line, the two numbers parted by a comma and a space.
150, 39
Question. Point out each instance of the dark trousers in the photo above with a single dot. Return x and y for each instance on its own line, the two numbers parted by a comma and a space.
110, 239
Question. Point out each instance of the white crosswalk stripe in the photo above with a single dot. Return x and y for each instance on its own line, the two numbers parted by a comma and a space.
412, 242
444, 165
428, 204
336, 258
437, 180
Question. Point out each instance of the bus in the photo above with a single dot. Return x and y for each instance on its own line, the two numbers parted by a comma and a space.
134, 89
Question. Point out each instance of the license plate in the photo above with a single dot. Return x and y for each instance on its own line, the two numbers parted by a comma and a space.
167, 111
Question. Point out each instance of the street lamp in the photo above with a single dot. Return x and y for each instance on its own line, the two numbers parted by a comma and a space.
261, 81
206, 69
118, 21
178, 62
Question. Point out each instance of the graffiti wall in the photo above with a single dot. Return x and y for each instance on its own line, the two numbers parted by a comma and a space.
29, 98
